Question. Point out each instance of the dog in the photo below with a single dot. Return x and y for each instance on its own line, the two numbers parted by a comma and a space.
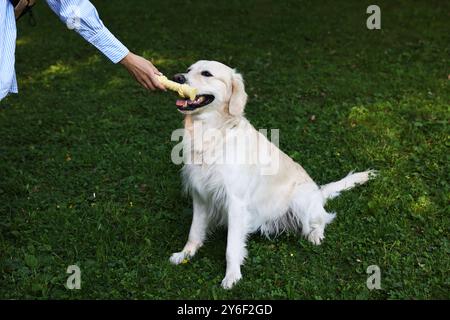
252, 186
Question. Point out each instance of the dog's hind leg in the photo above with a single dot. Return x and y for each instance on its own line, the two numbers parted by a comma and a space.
197, 234
307, 206
319, 218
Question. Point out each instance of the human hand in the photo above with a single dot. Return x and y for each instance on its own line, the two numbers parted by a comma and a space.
143, 70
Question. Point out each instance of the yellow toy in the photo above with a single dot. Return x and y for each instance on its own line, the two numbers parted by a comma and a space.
183, 90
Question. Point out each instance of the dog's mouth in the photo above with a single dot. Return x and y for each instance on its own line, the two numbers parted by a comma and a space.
200, 101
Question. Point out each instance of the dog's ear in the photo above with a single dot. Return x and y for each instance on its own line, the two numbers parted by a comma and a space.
238, 95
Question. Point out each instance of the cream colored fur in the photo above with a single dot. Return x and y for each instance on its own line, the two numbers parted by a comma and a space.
253, 186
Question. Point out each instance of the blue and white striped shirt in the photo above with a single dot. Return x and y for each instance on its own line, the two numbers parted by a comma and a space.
79, 15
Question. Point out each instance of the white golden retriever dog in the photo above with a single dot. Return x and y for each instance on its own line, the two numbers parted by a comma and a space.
237, 177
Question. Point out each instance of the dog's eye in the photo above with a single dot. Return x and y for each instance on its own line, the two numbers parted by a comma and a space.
188, 70
206, 74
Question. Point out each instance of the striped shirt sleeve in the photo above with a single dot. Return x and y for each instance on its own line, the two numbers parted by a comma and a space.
81, 16
8, 82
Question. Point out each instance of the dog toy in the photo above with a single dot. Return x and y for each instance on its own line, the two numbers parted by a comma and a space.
183, 90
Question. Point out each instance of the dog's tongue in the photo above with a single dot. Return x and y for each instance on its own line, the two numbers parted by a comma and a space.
180, 102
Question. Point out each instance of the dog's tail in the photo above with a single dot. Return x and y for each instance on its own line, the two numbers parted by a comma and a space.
333, 189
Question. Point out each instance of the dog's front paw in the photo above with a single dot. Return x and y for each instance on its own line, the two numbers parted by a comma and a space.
231, 279
178, 257
316, 236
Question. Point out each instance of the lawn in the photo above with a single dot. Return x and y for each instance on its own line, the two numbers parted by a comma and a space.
86, 176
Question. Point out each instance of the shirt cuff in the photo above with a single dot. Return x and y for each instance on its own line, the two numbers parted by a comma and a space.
109, 45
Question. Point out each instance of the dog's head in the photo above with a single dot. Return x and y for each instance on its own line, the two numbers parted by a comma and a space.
219, 88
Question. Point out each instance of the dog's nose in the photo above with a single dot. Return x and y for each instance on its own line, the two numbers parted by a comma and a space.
179, 78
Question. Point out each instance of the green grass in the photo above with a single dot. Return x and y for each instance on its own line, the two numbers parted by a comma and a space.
81, 126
